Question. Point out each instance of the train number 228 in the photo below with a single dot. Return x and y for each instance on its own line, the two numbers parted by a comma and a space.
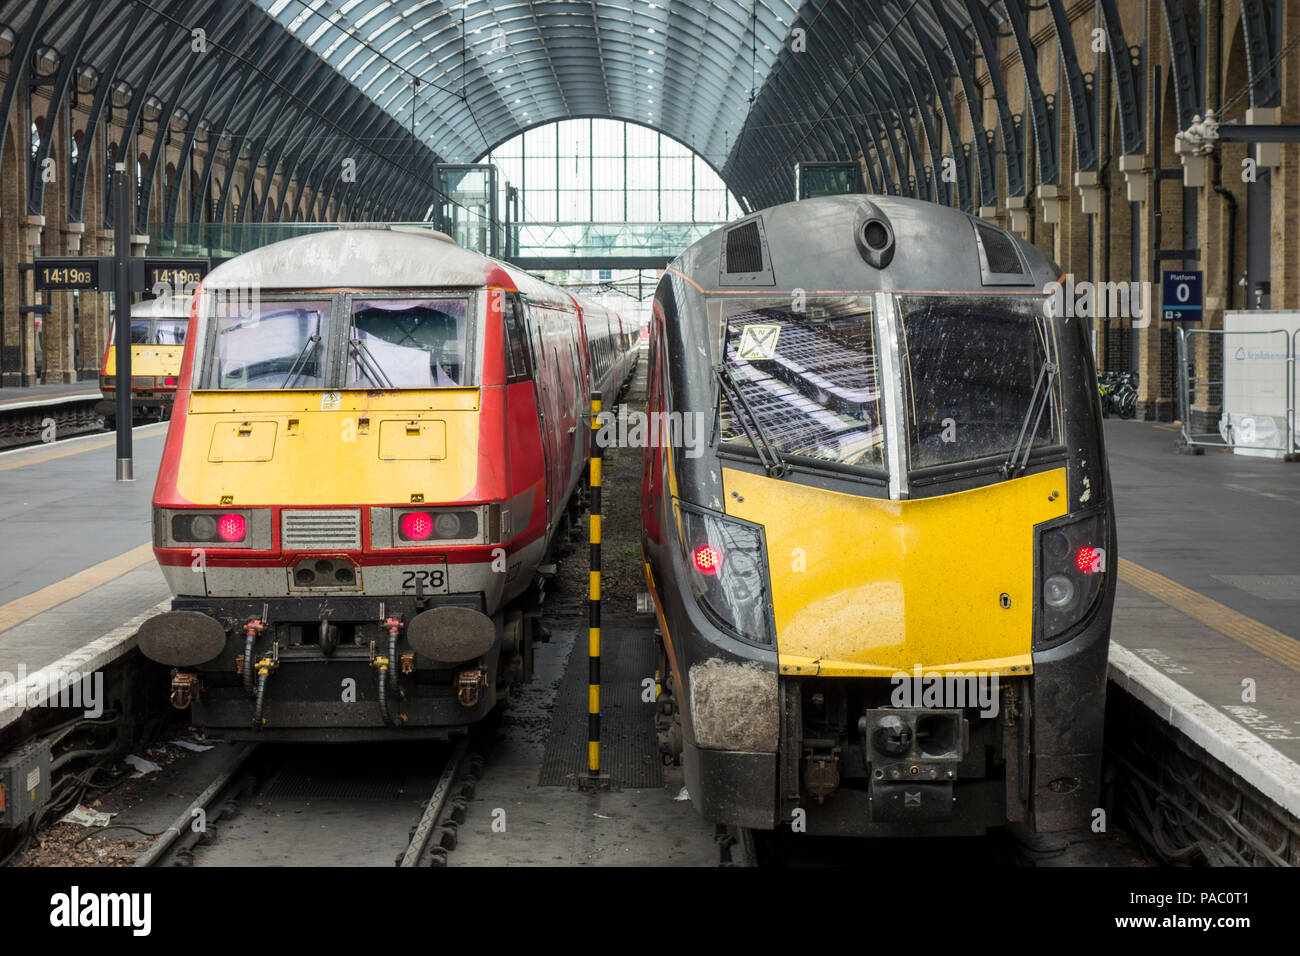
433, 579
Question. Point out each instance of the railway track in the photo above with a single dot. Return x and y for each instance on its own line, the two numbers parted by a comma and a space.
316, 806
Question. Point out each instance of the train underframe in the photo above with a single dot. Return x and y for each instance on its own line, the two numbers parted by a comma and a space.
348, 668
950, 772
810, 750
147, 407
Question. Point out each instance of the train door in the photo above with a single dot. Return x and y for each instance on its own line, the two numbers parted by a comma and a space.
544, 383
581, 405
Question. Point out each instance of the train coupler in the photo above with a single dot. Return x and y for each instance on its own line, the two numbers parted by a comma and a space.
469, 683
821, 772
185, 689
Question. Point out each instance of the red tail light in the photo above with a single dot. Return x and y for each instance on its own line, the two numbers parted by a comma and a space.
1087, 560
707, 559
169, 381
415, 526
231, 527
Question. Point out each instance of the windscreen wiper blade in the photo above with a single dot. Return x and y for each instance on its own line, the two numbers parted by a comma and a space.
771, 459
368, 364
300, 363
1038, 402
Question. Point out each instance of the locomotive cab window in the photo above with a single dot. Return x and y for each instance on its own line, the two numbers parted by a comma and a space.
168, 332
803, 382
976, 375
409, 343
139, 332
268, 343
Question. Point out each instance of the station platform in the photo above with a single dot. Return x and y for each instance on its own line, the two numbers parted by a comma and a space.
76, 568
1206, 627
52, 394
1207, 615
39, 413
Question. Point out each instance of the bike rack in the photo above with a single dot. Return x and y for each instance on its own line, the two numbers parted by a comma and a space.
1186, 383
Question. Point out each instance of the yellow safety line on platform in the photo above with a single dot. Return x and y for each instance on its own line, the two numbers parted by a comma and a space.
88, 446
38, 602
1254, 634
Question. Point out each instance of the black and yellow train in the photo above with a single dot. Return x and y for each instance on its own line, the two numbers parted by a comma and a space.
884, 578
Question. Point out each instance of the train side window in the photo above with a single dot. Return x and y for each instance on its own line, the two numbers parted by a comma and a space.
517, 367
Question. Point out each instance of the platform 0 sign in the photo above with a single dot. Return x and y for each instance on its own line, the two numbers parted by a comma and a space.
1180, 296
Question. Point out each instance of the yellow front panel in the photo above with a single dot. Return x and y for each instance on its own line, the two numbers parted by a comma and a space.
158, 360
412, 440
242, 441
325, 448
864, 586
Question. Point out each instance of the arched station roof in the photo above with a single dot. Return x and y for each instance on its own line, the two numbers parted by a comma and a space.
400, 86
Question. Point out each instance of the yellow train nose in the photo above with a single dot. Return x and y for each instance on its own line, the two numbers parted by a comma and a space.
870, 587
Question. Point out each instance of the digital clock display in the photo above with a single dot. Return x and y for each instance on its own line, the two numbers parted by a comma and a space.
81, 272
173, 275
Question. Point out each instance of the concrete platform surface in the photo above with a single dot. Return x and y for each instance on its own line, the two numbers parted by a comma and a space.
1207, 616
75, 554
54, 393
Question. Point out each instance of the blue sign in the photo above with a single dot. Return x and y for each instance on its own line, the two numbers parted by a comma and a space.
1180, 296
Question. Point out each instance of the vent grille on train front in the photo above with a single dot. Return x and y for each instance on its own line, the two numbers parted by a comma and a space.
320, 530
744, 249
999, 251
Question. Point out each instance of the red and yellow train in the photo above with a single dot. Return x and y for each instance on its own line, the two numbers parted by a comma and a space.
378, 438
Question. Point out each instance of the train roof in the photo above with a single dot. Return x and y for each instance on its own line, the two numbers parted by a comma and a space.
826, 244
163, 307
373, 257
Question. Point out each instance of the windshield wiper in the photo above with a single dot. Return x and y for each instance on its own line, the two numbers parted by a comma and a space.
1038, 401
366, 362
300, 363
771, 459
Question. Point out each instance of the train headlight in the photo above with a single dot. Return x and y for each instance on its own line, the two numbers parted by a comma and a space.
447, 525
1072, 565
224, 528
415, 526
420, 527
727, 566
201, 527
1058, 591
707, 559
232, 527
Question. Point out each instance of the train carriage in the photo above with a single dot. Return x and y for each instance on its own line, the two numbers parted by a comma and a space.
882, 584
379, 436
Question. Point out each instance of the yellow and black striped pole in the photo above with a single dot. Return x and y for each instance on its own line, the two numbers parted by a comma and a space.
593, 640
